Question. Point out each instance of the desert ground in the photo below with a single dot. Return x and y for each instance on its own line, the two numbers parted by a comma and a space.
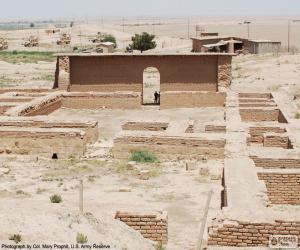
110, 185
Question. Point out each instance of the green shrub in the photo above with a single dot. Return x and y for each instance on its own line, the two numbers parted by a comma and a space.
143, 156
56, 198
81, 238
159, 246
297, 116
16, 238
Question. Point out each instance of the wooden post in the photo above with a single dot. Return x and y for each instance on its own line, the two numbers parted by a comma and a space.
81, 196
204, 219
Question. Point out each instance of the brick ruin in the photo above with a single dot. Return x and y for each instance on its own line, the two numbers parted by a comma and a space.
247, 234
282, 188
268, 181
183, 81
152, 226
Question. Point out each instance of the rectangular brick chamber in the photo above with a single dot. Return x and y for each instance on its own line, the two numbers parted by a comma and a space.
278, 141
148, 126
151, 226
169, 147
282, 188
262, 115
249, 234
276, 162
257, 133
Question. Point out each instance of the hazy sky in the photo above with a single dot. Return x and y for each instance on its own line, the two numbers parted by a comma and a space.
32, 9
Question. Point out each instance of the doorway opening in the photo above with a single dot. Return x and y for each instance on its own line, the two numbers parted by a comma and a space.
151, 86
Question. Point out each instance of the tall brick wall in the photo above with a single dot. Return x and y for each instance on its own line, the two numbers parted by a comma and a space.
275, 163
224, 71
247, 234
152, 227
282, 188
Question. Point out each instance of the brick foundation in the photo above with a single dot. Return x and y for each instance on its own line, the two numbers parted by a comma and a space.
282, 188
247, 234
152, 227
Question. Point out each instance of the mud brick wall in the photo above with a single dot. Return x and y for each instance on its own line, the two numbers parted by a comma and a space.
148, 126
259, 115
257, 105
275, 163
3, 109
102, 100
224, 71
152, 227
247, 234
167, 147
43, 142
257, 133
282, 188
45, 109
215, 129
256, 95
256, 100
189, 99
62, 73
271, 140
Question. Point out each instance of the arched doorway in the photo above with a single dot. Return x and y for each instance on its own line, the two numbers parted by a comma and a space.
151, 86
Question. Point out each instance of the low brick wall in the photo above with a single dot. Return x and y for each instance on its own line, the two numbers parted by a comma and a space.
215, 129
278, 141
44, 142
89, 127
259, 115
148, 126
257, 133
118, 100
169, 147
3, 109
282, 188
255, 105
256, 95
191, 99
152, 227
275, 163
247, 234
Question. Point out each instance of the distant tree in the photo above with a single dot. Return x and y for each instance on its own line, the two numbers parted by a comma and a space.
32, 25
142, 42
110, 38
71, 24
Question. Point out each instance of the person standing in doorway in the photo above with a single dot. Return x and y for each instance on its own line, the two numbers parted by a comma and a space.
156, 97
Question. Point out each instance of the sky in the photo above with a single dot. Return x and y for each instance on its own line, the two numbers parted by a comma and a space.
46, 9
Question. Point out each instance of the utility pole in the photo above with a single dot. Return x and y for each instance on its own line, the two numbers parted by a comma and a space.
248, 28
81, 196
289, 33
123, 24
